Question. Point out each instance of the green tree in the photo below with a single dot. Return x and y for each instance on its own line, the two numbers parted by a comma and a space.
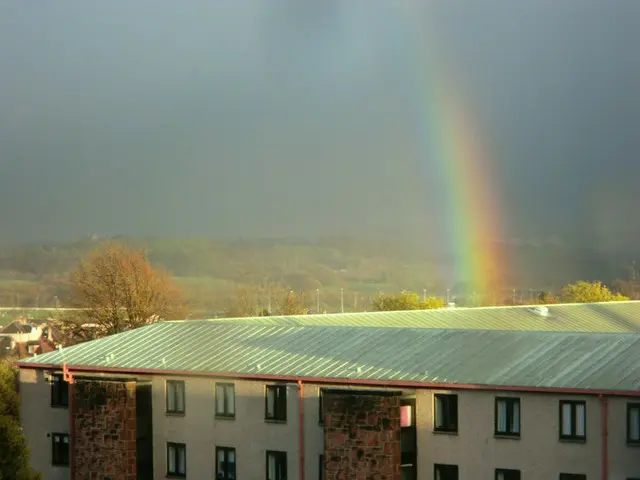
14, 452
406, 301
589, 292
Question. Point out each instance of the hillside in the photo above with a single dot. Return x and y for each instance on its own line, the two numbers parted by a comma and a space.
211, 270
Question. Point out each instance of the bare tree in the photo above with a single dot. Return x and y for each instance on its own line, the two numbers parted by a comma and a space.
255, 301
116, 289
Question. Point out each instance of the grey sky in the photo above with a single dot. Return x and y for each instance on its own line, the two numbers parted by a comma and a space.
279, 118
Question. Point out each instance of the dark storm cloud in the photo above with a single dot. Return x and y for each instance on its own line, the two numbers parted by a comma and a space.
253, 118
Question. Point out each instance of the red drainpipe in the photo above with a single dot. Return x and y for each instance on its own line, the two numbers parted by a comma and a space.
68, 377
301, 422
605, 435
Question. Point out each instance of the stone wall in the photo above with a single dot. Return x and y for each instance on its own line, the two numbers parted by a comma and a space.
361, 436
104, 423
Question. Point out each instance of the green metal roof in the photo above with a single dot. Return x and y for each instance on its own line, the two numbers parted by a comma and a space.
593, 317
595, 361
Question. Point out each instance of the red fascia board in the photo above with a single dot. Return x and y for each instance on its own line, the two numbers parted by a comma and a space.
335, 381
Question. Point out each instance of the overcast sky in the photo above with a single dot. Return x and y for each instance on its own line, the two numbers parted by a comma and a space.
289, 118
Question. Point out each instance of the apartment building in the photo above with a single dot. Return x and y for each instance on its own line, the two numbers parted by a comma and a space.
307, 398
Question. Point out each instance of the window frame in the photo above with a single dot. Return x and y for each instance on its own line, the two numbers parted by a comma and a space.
226, 451
510, 401
279, 405
508, 471
321, 467
446, 428
55, 460
632, 406
58, 399
321, 406
572, 476
184, 397
437, 466
279, 456
177, 446
572, 437
225, 387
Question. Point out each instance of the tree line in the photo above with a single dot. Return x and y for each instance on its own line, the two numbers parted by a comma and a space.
116, 289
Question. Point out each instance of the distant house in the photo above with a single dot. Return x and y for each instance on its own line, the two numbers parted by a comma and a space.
26, 338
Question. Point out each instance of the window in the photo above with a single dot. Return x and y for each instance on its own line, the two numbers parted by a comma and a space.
59, 392
321, 406
276, 465
60, 449
572, 476
321, 468
633, 423
176, 460
445, 472
446, 417
505, 474
175, 396
573, 415
508, 416
225, 400
225, 463
276, 402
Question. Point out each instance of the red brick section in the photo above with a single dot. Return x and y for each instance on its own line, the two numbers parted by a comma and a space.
361, 436
104, 415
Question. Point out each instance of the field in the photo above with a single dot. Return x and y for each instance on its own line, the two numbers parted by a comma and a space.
347, 272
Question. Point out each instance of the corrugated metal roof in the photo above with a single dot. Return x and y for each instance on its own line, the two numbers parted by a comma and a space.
430, 355
594, 317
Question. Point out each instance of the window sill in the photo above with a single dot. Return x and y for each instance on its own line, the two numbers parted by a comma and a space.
273, 420
175, 476
175, 414
445, 432
573, 440
506, 436
65, 407
633, 443
60, 465
225, 417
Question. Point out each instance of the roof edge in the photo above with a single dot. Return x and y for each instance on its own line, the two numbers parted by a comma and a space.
336, 381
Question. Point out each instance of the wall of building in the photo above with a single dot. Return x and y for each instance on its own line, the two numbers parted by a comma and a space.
624, 460
104, 429
248, 433
39, 420
538, 453
361, 435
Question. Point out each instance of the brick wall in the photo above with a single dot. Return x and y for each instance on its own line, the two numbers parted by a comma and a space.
104, 442
361, 436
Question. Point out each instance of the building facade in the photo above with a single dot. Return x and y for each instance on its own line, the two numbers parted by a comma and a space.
224, 425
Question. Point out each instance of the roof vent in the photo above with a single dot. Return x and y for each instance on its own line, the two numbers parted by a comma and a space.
541, 311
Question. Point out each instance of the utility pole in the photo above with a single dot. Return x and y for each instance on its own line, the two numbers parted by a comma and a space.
424, 294
342, 300
317, 300
448, 298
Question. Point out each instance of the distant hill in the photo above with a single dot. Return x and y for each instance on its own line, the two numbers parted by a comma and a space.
210, 270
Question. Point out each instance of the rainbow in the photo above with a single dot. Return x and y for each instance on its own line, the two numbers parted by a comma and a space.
452, 140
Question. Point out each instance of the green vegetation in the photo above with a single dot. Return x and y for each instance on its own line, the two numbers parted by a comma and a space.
407, 301
590, 292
